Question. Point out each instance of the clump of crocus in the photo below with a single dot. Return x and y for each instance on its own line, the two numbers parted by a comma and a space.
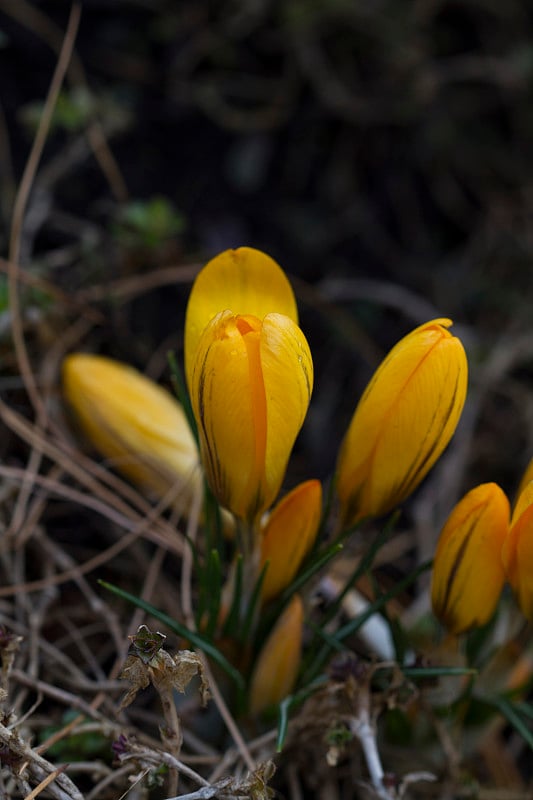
404, 420
468, 573
278, 662
250, 376
137, 425
517, 552
288, 536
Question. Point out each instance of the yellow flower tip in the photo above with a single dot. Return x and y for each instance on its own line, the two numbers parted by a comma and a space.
517, 551
250, 390
403, 422
278, 662
468, 573
289, 535
527, 477
245, 280
134, 423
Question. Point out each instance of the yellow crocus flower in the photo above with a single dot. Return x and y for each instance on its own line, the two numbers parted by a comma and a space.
244, 280
517, 551
278, 662
250, 389
288, 536
468, 573
404, 420
137, 425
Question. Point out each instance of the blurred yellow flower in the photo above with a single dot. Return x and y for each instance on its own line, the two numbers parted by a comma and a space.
250, 389
404, 420
468, 573
288, 535
134, 423
245, 281
517, 552
278, 662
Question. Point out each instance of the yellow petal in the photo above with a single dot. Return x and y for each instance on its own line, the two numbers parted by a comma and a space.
250, 391
287, 368
517, 551
244, 280
404, 420
468, 574
288, 536
527, 478
278, 662
525, 493
134, 423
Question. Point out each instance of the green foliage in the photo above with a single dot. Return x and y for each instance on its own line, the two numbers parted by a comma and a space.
79, 746
147, 224
145, 644
72, 113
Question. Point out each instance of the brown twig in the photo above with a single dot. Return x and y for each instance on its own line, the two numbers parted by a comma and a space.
19, 210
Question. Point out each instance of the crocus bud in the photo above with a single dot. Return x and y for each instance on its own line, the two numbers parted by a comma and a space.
468, 573
288, 536
250, 389
135, 424
279, 660
246, 281
517, 552
404, 420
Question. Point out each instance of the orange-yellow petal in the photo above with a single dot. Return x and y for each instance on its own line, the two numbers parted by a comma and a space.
468, 574
134, 423
527, 477
250, 390
244, 280
287, 368
517, 551
288, 536
404, 420
278, 662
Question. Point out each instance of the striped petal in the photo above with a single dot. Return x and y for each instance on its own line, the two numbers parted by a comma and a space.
468, 573
250, 389
404, 420
287, 369
517, 551
244, 280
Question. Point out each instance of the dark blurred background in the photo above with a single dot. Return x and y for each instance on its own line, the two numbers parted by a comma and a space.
380, 151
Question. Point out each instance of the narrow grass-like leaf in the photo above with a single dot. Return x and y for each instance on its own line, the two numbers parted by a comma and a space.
526, 709
288, 704
233, 618
353, 626
213, 526
362, 567
181, 392
437, 672
321, 633
196, 639
512, 715
213, 579
253, 607
314, 566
